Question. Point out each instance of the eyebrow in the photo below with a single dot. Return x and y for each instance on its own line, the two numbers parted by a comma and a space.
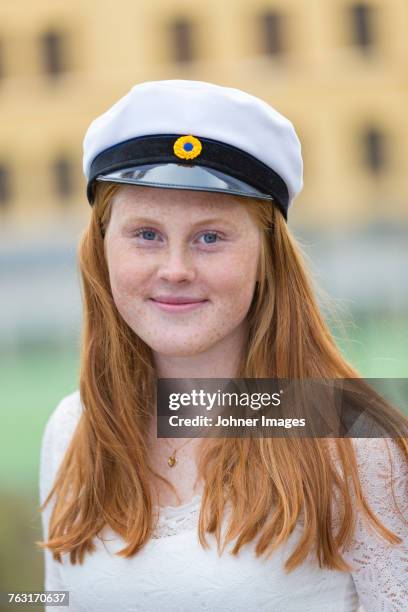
149, 221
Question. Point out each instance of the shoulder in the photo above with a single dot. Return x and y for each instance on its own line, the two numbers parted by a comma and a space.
57, 433
383, 470
382, 467
380, 457
373, 455
64, 418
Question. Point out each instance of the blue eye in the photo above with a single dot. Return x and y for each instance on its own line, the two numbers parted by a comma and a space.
149, 233
213, 236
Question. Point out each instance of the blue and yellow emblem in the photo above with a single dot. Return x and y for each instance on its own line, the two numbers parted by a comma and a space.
187, 147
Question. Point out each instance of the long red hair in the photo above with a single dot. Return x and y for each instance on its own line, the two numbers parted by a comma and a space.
105, 476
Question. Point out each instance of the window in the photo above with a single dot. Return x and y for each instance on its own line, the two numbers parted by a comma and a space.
182, 33
271, 30
361, 15
63, 177
5, 185
52, 44
374, 150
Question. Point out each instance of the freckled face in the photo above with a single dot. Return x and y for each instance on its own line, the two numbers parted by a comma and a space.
180, 243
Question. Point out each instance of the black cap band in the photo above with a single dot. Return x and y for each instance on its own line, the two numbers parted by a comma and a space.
214, 154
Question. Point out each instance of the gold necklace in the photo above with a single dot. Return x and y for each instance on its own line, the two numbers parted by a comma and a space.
172, 460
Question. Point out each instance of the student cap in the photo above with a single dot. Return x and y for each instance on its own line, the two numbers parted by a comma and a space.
184, 134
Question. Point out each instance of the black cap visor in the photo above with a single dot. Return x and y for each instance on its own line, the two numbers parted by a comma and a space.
179, 176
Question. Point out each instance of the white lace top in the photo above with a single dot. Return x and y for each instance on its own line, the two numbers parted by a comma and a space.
174, 573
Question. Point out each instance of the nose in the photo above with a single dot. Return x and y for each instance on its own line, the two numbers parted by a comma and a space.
177, 266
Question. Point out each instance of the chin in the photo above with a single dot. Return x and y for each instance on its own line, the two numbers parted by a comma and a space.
179, 349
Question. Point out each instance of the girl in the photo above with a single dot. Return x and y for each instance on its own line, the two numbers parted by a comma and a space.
189, 271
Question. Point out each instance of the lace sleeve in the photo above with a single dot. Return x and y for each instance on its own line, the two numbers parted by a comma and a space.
56, 435
52, 581
381, 568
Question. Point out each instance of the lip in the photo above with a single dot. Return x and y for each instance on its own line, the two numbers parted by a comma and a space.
174, 299
177, 306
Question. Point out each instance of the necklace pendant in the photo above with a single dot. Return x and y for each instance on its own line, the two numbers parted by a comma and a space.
172, 461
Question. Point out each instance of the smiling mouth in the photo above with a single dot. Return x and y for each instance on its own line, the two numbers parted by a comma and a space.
177, 307
178, 302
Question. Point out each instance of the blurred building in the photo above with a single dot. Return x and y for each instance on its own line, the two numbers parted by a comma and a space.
336, 68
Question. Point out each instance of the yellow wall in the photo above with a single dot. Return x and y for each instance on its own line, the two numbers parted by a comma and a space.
324, 85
